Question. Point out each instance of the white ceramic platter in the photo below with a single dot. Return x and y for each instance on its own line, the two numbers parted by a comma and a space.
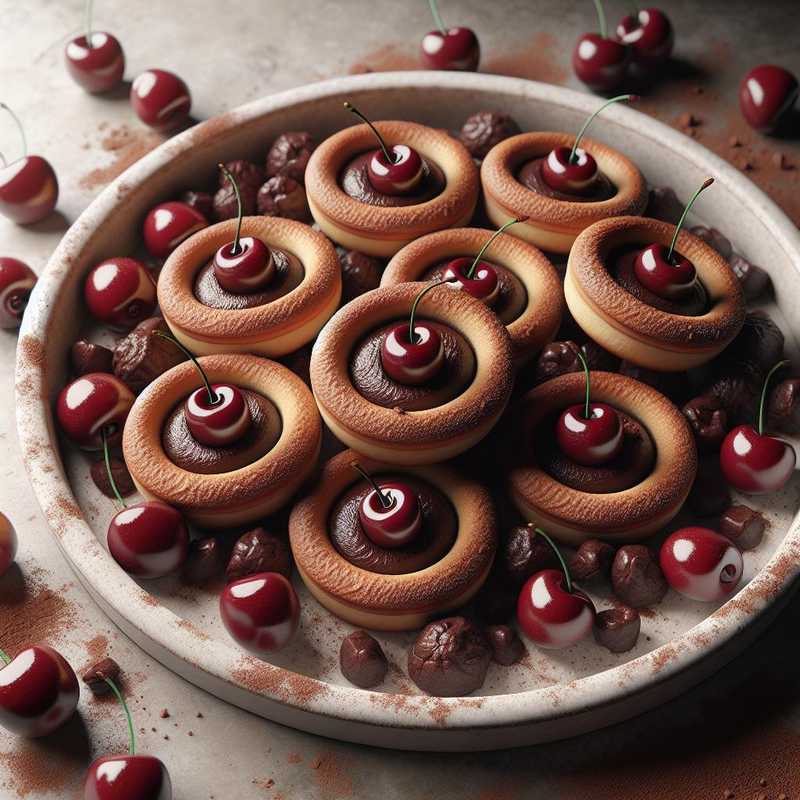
547, 696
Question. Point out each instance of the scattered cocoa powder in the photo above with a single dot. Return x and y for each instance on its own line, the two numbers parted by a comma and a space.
127, 147
332, 776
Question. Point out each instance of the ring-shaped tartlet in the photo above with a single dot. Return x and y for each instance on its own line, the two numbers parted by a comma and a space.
554, 223
383, 230
274, 328
572, 515
241, 495
412, 437
392, 602
540, 317
634, 330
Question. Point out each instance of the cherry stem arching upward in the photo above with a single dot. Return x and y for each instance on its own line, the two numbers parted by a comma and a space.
483, 249
353, 110
5, 658
587, 373
601, 18
213, 398
411, 334
386, 501
706, 183
110, 474
13, 116
437, 17
554, 548
121, 700
573, 156
89, 5
235, 250
763, 401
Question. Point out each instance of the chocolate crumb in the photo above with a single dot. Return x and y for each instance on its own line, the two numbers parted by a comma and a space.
164, 713
256, 551
735, 141
743, 526
507, 647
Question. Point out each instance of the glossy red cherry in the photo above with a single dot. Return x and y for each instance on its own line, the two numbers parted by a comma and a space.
91, 404
38, 692
600, 63
17, 280
755, 463
8, 543
221, 422
249, 269
169, 224
483, 283
95, 61
160, 99
412, 363
766, 94
261, 612
701, 564
149, 539
649, 34
592, 439
127, 777
449, 48
550, 615
120, 292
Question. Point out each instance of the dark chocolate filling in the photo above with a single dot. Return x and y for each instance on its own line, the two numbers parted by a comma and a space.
530, 176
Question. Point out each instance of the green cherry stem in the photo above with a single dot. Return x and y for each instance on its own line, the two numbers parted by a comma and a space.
121, 700
437, 17
483, 249
411, 334
554, 548
107, 459
386, 502
353, 110
16, 119
213, 398
706, 183
5, 658
763, 402
601, 18
587, 373
573, 156
239, 211
89, 5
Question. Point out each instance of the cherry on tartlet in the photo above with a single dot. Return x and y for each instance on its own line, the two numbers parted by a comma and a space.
168, 224
550, 610
160, 99
413, 353
8, 544
38, 691
95, 60
650, 36
662, 270
28, 185
589, 433
17, 280
766, 95
752, 461
246, 264
261, 612
390, 515
449, 48
395, 170
598, 60
701, 564
120, 292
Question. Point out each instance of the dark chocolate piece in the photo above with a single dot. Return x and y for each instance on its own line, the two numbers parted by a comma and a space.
88, 357
524, 552
617, 629
360, 273
507, 647
362, 660
636, 576
122, 478
256, 551
204, 562
283, 197
289, 155
483, 130
95, 677
708, 421
744, 526
783, 406
143, 355
593, 559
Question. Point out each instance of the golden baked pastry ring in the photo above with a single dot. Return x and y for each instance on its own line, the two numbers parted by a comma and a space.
242, 495
634, 330
540, 319
412, 437
630, 515
382, 230
392, 602
272, 329
552, 223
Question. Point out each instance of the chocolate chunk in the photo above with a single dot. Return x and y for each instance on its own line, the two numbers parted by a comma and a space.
708, 421
259, 551
289, 155
557, 358
593, 559
737, 393
783, 407
283, 197
88, 357
617, 629
743, 526
663, 204
449, 658
143, 355
636, 576
360, 273
755, 281
507, 647
482, 131
710, 494
95, 676
713, 238
204, 562
760, 343
670, 384
249, 177
122, 478
524, 552
362, 660
201, 202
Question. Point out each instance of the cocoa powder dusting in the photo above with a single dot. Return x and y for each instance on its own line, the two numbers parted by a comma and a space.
54, 766
258, 676
127, 147
537, 62
332, 776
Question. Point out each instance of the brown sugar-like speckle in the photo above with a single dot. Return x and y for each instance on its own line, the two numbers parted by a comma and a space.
265, 678
127, 147
332, 776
